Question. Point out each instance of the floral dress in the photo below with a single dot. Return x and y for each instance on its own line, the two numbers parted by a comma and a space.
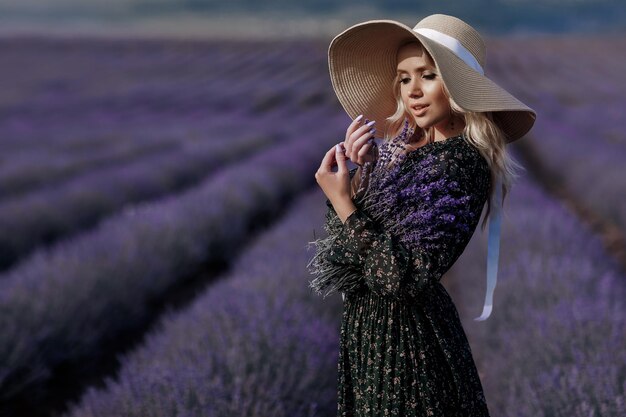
403, 350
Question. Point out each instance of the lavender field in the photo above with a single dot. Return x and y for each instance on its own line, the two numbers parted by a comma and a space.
157, 198
577, 85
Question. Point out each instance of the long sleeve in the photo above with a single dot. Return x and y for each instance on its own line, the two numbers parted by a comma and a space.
379, 255
433, 221
385, 262
330, 277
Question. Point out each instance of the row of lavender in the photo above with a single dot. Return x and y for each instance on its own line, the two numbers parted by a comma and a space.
34, 167
53, 304
56, 86
62, 171
40, 154
257, 343
260, 343
49, 213
106, 125
555, 344
578, 87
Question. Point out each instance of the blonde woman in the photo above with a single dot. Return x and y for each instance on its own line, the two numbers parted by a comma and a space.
401, 219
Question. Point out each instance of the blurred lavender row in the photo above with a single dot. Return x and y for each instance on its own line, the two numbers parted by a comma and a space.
257, 343
61, 303
578, 88
554, 344
45, 215
82, 86
36, 167
98, 105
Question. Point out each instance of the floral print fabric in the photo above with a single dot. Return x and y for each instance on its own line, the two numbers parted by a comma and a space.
403, 350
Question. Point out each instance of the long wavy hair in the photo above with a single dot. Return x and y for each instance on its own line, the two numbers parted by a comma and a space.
480, 130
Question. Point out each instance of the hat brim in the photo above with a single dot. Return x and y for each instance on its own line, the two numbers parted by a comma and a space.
362, 66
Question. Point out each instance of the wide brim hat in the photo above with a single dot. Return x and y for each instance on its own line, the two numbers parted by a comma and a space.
362, 65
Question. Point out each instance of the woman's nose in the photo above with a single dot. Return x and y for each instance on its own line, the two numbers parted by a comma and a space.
415, 90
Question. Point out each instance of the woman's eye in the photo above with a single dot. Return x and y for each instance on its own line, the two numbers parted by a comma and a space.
430, 76
403, 80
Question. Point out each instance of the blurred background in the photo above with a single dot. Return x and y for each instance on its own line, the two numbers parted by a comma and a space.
240, 18
157, 198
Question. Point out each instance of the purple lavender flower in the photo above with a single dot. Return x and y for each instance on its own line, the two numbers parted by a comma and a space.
411, 196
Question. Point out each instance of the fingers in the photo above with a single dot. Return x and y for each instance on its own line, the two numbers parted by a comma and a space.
340, 157
353, 126
328, 161
365, 149
365, 141
355, 131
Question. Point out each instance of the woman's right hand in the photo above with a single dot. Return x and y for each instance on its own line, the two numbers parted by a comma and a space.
359, 142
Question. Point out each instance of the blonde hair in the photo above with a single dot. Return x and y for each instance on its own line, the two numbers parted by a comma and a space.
480, 130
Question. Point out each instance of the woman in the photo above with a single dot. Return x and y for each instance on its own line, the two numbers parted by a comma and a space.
400, 220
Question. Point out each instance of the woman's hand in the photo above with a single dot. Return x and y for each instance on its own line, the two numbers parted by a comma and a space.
359, 141
336, 185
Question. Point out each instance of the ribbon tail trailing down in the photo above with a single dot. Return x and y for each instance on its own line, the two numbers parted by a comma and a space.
493, 249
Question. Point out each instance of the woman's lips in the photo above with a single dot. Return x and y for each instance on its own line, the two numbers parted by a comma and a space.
419, 110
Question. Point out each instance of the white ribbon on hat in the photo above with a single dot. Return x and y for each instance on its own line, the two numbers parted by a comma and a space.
493, 249
452, 44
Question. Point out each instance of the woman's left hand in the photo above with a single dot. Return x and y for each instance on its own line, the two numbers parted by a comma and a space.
336, 185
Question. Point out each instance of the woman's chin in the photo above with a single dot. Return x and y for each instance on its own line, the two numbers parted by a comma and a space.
421, 123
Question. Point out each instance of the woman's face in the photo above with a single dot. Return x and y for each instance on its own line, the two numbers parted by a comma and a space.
421, 89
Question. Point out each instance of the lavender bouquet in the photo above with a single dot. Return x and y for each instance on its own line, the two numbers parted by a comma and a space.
413, 198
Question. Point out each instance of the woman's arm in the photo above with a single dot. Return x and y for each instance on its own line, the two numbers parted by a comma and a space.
436, 218
379, 255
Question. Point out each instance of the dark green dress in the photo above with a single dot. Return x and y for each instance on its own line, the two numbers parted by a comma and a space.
403, 350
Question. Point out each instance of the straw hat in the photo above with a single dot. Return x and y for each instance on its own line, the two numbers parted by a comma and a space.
362, 64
